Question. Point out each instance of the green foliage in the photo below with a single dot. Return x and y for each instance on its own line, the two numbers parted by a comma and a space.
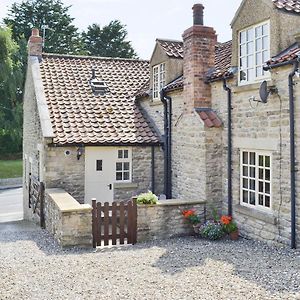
109, 41
147, 198
11, 84
11, 168
61, 36
211, 230
231, 227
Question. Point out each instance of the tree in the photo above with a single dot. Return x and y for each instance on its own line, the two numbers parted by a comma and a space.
11, 81
110, 41
61, 35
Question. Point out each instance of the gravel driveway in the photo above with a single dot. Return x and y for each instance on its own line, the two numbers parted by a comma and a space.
33, 267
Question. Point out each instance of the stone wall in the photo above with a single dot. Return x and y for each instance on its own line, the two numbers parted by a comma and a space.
141, 174
68, 221
262, 127
164, 220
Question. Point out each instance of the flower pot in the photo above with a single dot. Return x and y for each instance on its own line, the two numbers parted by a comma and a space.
234, 235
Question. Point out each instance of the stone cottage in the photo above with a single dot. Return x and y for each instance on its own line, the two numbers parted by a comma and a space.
202, 120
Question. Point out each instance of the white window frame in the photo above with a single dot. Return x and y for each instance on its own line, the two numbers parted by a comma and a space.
159, 79
254, 53
257, 180
124, 160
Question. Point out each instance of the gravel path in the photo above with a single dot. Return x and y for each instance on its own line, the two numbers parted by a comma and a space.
33, 267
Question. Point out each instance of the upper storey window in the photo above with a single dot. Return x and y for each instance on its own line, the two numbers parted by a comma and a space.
159, 79
254, 51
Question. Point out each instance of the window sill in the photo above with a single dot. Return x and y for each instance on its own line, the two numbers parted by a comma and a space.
155, 102
250, 86
125, 185
267, 217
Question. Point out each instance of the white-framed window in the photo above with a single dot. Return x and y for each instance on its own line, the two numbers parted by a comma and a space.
159, 79
256, 179
254, 51
123, 165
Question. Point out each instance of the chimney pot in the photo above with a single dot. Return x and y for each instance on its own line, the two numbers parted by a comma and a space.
35, 43
198, 14
35, 32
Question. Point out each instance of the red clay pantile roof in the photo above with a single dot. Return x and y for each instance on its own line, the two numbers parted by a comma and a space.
222, 61
286, 55
209, 117
79, 116
175, 84
172, 48
288, 5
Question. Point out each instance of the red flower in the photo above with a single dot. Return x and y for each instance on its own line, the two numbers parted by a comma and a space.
226, 220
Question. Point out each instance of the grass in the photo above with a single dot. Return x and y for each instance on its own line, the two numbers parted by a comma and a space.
11, 168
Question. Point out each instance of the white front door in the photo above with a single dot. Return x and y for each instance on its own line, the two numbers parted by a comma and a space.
99, 173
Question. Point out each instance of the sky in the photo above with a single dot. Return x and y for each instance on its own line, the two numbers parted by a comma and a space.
147, 20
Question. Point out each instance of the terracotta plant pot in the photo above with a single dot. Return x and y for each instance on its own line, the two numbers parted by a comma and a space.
234, 235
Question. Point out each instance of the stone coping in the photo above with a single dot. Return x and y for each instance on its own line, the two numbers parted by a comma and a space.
65, 202
175, 202
125, 185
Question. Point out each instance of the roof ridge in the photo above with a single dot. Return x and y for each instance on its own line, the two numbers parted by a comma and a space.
168, 40
93, 57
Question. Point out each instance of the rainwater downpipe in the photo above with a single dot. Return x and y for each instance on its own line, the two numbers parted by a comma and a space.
229, 142
292, 154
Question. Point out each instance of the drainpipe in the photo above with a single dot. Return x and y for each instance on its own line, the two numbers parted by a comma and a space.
229, 142
165, 147
153, 169
292, 154
167, 101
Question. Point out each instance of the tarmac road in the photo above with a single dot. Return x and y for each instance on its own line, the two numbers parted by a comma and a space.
11, 205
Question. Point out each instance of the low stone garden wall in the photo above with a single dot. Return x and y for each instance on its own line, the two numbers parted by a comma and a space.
67, 220
164, 220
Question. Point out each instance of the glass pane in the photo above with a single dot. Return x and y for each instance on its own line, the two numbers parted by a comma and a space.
243, 76
261, 161
245, 183
125, 153
252, 172
242, 37
245, 158
120, 153
261, 173
245, 171
268, 175
98, 165
126, 166
250, 74
252, 158
243, 50
266, 56
258, 59
258, 46
267, 188
252, 198
252, 185
265, 42
250, 48
250, 34
265, 29
267, 201
243, 62
119, 166
258, 31
261, 187
119, 176
267, 161
126, 176
250, 61
258, 71
261, 199
245, 196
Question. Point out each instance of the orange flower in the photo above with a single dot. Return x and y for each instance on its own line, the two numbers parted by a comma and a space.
226, 220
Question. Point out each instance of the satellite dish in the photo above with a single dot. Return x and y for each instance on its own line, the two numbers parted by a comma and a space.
264, 92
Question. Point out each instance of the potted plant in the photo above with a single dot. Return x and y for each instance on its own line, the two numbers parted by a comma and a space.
230, 227
211, 230
147, 198
192, 218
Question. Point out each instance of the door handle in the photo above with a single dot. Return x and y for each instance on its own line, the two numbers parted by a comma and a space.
109, 186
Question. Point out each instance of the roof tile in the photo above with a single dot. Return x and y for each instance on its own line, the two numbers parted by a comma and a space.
288, 5
172, 48
209, 117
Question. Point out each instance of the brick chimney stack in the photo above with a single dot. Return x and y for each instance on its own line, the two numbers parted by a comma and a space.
35, 43
199, 44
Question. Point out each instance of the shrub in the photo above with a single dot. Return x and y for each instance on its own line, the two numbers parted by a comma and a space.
212, 230
191, 216
147, 198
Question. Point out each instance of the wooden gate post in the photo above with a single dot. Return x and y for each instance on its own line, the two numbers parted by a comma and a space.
94, 222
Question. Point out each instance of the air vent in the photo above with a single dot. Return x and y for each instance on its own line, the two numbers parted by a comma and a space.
98, 86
